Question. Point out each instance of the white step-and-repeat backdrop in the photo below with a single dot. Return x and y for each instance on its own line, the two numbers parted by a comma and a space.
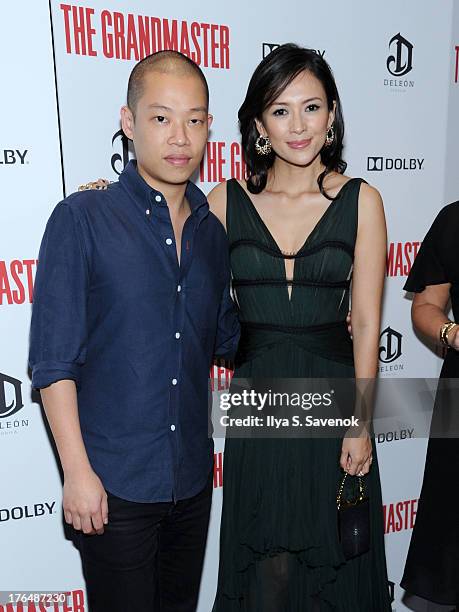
64, 74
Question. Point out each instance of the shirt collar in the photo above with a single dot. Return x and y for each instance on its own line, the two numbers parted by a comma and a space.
145, 195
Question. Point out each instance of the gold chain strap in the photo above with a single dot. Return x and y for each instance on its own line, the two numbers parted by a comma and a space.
340, 492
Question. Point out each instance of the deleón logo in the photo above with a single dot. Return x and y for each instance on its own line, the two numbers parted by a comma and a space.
10, 396
401, 62
379, 164
11, 157
390, 347
120, 160
266, 49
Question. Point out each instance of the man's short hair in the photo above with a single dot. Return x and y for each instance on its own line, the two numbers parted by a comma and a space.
169, 62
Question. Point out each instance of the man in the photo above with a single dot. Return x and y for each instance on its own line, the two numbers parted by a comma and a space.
131, 304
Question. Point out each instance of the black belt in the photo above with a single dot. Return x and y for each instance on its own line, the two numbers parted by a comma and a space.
329, 340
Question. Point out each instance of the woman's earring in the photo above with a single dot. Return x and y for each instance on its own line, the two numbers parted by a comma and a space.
263, 145
330, 136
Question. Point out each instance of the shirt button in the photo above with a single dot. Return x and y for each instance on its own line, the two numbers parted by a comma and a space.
158, 198
174, 381
147, 212
168, 241
179, 288
177, 335
172, 427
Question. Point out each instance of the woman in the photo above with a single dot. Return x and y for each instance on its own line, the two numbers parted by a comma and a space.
432, 566
298, 228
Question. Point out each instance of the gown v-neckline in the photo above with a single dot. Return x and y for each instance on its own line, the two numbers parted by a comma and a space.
274, 242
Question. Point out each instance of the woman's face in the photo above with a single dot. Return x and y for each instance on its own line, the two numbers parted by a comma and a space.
298, 120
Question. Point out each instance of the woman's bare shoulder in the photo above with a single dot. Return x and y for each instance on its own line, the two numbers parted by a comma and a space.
217, 202
368, 193
370, 196
334, 182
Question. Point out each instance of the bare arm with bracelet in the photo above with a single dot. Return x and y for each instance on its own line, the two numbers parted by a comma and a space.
429, 318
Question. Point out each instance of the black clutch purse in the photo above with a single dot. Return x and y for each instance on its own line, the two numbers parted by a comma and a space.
354, 521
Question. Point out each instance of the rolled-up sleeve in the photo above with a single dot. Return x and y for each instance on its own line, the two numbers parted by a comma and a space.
58, 330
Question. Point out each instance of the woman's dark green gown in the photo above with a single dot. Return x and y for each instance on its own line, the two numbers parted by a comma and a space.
279, 547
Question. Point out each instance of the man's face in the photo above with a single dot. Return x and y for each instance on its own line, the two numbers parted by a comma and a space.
170, 127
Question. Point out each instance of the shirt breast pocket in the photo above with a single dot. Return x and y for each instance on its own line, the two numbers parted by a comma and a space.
203, 306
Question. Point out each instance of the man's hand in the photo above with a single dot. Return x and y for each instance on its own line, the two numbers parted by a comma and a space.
85, 502
356, 453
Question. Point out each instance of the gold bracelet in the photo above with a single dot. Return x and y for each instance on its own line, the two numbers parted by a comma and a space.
444, 331
447, 333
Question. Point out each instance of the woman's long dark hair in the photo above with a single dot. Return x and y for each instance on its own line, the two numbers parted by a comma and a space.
271, 77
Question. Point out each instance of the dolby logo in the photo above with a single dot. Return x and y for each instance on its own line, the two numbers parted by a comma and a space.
267, 48
381, 164
30, 511
13, 157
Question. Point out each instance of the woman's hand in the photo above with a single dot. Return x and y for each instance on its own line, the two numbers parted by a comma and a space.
356, 453
99, 184
349, 323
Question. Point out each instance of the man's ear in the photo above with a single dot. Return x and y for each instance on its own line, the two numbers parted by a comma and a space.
127, 122
210, 119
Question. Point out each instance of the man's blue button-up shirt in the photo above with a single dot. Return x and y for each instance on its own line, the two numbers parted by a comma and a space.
115, 312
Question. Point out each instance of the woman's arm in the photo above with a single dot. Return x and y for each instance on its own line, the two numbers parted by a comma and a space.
217, 202
368, 282
367, 289
428, 313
